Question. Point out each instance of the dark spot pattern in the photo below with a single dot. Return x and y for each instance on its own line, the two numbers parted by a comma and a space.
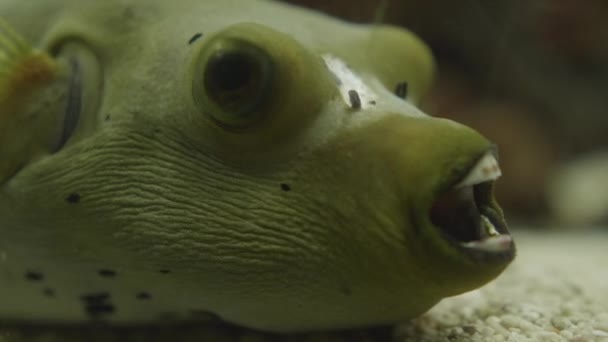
49, 292
401, 90
97, 297
129, 13
34, 276
285, 187
143, 295
97, 304
195, 38
73, 198
168, 315
107, 273
373, 103
346, 290
97, 310
355, 100
165, 271
204, 315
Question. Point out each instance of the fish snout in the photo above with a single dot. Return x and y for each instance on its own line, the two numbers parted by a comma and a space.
447, 173
442, 175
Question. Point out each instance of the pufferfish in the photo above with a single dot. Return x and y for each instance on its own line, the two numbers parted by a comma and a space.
251, 160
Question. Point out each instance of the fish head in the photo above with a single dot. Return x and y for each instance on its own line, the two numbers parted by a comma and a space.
262, 163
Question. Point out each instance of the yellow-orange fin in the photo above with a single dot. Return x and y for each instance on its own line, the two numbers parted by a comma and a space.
22, 68
11, 38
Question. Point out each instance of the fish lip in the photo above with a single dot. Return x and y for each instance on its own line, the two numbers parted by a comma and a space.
490, 209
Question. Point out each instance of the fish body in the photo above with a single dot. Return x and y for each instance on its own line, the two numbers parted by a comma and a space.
250, 160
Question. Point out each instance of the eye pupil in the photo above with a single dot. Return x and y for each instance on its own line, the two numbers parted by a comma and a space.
230, 72
233, 82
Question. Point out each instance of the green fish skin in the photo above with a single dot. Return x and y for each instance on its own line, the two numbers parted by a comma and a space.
246, 160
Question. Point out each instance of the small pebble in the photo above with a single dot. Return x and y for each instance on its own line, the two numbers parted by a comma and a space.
567, 334
547, 336
599, 333
601, 321
561, 323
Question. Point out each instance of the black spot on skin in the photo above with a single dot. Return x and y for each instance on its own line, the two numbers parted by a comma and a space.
49, 292
204, 315
346, 290
129, 13
168, 316
355, 100
96, 310
143, 296
97, 297
97, 304
401, 90
285, 187
373, 103
107, 273
164, 271
34, 276
108, 117
195, 38
73, 198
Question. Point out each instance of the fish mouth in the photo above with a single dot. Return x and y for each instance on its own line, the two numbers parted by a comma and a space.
467, 216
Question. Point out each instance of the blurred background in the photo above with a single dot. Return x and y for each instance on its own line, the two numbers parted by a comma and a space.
530, 75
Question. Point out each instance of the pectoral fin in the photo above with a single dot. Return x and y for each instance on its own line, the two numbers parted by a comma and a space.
33, 87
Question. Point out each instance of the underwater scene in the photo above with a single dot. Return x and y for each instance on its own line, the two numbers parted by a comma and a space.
303, 170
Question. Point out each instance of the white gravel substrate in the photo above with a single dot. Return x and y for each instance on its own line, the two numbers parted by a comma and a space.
555, 290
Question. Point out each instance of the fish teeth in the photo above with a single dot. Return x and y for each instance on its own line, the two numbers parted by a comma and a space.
485, 170
496, 243
488, 227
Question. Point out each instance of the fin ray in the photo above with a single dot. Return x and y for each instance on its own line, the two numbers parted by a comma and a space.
11, 40
22, 68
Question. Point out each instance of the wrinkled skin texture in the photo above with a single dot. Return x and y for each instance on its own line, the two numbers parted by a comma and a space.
313, 217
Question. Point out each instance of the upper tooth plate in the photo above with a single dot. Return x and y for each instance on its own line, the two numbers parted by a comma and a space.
485, 170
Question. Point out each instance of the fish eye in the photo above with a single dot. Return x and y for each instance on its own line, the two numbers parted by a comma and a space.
233, 80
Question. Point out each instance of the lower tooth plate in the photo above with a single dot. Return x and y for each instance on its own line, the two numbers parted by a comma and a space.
496, 243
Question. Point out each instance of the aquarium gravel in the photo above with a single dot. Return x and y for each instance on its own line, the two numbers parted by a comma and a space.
556, 290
